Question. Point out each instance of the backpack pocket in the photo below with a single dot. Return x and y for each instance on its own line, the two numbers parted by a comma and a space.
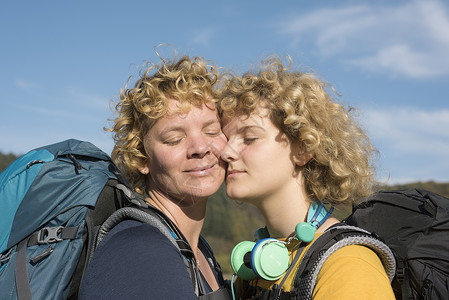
426, 281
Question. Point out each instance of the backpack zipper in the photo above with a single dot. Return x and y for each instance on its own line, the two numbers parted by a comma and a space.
34, 260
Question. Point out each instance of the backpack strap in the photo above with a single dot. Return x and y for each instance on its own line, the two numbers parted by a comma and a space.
133, 213
151, 215
46, 235
21, 272
114, 196
209, 254
333, 239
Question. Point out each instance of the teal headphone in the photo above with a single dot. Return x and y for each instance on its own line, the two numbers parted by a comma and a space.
268, 258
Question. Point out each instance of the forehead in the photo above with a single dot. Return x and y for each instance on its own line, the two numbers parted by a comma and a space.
186, 114
176, 107
258, 118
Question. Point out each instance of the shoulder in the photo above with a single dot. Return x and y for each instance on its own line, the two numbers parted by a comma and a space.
353, 272
134, 233
125, 261
135, 241
356, 254
328, 223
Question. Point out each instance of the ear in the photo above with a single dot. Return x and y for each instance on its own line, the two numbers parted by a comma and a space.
302, 158
144, 170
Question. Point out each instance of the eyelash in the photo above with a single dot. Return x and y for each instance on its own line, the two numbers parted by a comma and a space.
214, 133
170, 143
249, 140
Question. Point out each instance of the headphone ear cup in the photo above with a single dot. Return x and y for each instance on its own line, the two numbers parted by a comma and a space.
270, 259
238, 261
305, 232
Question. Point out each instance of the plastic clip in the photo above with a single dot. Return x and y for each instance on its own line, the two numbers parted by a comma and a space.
49, 235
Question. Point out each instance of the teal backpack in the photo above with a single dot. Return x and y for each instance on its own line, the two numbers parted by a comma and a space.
52, 202
56, 205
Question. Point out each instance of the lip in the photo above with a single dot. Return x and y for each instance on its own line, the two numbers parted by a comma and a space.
201, 170
233, 173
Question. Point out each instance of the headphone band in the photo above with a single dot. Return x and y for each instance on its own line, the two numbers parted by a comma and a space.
320, 214
269, 258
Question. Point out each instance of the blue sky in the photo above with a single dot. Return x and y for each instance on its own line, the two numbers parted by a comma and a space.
62, 62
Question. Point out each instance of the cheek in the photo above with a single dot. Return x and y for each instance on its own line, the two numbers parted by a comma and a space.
165, 161
218, 144
252, 160
262, 157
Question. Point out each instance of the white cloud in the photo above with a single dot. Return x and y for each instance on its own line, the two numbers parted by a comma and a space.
400, 59
25, 85
72, 109
413, 143
203, 36
410, 130
410, 40
88, 101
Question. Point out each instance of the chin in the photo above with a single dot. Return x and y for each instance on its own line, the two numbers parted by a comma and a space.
210, 191
235, 194
212, 185
204, 191
239, 194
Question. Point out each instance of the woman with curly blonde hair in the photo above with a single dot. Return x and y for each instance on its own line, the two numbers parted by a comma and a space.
290, 149
168, 141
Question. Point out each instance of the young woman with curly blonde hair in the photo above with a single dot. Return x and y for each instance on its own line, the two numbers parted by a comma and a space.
168, 141
290, 149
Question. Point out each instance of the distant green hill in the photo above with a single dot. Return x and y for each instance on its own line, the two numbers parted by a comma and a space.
6, 160
439, 188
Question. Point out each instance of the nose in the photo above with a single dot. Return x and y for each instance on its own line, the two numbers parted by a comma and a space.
199, 147
229, 153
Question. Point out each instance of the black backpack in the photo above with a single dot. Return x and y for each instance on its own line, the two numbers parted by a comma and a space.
414, 223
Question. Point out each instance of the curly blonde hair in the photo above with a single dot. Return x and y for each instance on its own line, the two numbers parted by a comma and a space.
341, 169
190, 81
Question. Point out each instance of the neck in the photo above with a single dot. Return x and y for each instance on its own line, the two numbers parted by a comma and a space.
284, 209
188, 218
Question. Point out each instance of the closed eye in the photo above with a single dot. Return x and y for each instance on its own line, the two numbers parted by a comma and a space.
213, 132
173, 140
250, 140
213, 129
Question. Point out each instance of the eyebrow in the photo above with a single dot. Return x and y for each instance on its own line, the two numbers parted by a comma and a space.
211, 122
171, 129
181, 128
247, 128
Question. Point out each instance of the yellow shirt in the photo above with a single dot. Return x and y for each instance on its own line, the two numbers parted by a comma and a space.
352, 272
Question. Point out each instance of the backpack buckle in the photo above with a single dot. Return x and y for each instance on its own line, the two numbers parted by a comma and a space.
49, 235
400, 274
